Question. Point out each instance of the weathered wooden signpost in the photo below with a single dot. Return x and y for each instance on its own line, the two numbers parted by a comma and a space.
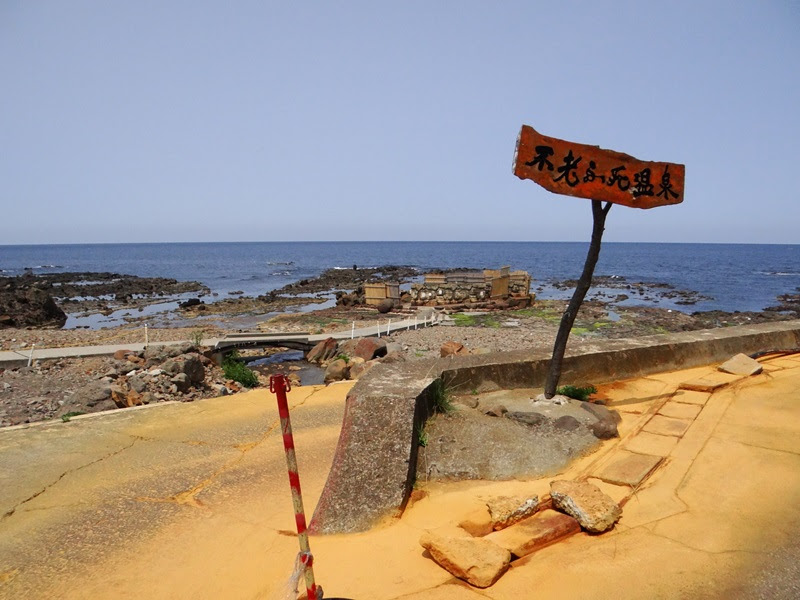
602, 176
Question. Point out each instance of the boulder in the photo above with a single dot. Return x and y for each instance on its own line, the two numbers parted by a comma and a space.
533, 419
741, 364
357, 370
606, 425
95, 395
566, 423
337, 370
181, 381
477, 561
190, 364
154, 355
137, 383
324, 350
393, 347
595, 511
451, 348
506, 510
122, 354
366, 348
22, 304
496, 411
385, 305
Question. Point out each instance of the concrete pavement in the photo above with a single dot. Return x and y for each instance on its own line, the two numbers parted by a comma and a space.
192, 501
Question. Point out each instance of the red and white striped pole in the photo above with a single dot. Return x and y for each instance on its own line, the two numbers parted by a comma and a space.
279, 385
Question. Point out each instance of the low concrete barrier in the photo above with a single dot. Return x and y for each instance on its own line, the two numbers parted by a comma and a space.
373, 469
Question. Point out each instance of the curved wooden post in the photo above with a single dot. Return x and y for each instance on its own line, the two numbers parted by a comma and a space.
599, 213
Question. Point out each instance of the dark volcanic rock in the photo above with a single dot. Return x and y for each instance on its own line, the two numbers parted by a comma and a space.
25, 304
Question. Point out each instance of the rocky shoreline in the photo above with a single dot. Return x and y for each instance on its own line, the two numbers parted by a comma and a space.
53, 388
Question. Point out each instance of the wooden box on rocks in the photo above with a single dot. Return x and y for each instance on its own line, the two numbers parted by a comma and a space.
375, 292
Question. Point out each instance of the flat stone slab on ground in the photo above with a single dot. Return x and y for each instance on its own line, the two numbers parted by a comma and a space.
709, 383
629, 468
506, 510
618, 493
652, 443
478, 561
667, 426
741, 364
534, 533
691, 397
679, 410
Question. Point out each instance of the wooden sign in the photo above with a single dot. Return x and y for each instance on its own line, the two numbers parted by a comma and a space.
592, 172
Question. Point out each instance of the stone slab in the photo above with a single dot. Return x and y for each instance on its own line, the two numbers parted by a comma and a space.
667, 426
741, 364
679, 410
534, 533
709, 383
651, 443
691, 397
629, 468
618, 493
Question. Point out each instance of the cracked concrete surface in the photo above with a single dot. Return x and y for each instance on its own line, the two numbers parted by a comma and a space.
192, 501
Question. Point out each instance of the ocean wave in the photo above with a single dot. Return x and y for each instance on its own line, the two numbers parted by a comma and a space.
43, 267
278, 262
281, 273
779, 273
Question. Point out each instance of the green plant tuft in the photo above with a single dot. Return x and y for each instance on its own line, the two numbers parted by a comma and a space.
238, 371
442, 397
343, 357
74, 413
422, 436
196, 337
576, 392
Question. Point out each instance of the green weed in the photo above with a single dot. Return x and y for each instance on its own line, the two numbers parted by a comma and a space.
238, 371
576, 392
68, 416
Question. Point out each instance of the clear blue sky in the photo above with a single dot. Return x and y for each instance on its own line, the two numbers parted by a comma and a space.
214, 121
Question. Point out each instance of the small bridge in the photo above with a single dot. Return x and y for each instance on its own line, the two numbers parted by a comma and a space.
306, 341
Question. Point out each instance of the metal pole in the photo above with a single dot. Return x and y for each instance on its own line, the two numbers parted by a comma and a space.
389, 327
353, 330
146, 337
379, 328
415, 322
279, 385
30, 358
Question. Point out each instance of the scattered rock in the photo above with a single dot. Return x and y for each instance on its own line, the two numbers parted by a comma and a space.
337, 370
468, 401
366, 348
606, 425
451, 348
741, 364
477, 561
533, 419
496, 411
323, 351
595, 511
478, 523
358, 369
385, 305
566, 423
505, 510
181, 381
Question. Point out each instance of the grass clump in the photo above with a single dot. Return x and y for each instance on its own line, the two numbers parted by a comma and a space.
577, 392
236, 370
442, 397
196, 337
74, 413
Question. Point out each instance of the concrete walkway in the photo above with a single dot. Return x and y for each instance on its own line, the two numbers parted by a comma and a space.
192, 501
17, 358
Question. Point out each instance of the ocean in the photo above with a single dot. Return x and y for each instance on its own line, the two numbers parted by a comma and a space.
743, 277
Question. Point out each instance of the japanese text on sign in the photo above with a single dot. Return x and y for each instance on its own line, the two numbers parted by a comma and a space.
592, 172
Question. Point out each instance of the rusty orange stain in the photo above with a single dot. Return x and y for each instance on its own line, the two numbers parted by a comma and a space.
586, 171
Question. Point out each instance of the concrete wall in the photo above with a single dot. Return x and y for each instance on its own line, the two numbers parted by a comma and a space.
373, 469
